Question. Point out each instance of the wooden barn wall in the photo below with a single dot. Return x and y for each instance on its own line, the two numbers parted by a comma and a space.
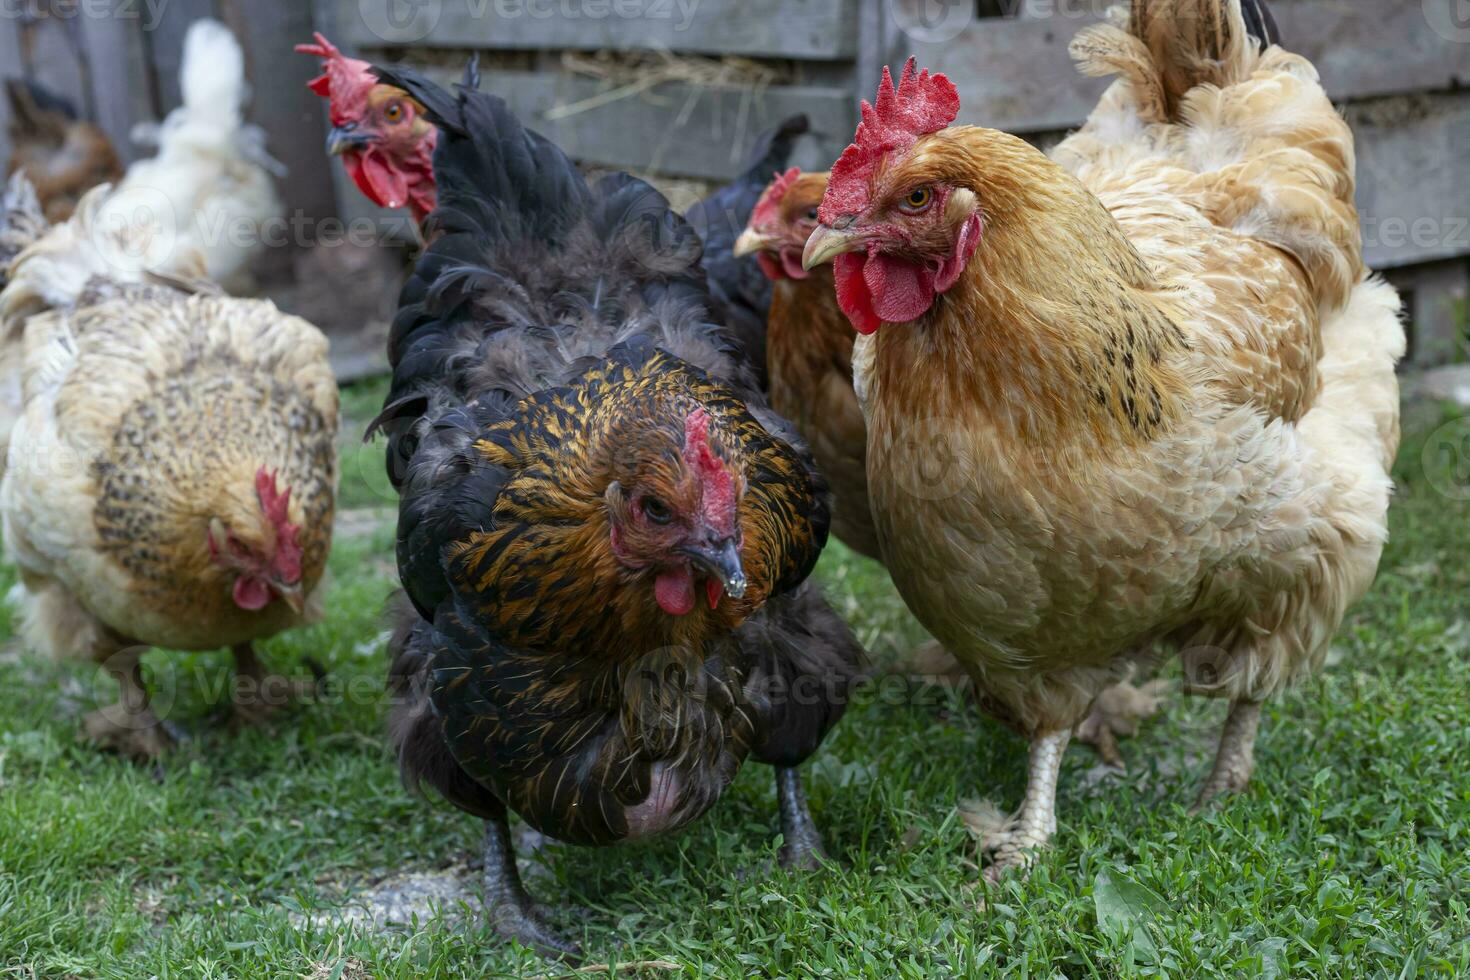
1397, 67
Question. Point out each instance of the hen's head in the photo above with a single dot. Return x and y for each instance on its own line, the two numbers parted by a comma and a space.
379, 130
258, 542
897, 220
674, 512
781, 222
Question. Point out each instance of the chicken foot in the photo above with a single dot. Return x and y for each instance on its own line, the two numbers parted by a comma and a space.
1013, 846
1235, 757
129, 727
801, 847
513, 914
259, 694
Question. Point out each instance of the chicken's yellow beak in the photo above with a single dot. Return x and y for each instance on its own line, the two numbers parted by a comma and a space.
752, 241
292, 596
826, 243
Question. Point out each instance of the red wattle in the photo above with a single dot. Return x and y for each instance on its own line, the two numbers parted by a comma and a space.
853, 297
674, 590
901, 291
713, 590
768, 265
250, 593
791, 264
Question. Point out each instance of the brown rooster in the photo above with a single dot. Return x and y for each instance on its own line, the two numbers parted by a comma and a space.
604, 532
61, 155
171, 479
1137, 396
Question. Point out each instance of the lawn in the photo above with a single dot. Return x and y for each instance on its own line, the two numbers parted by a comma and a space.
1349, 856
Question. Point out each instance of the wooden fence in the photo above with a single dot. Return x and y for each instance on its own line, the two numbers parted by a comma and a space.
1397, 67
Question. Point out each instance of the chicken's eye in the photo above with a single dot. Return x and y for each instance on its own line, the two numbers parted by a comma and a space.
394, 112
811, 214
918, 200
657, 511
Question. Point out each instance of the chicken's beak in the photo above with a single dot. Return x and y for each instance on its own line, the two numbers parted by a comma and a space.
346, 137
291, 595
826, 243
752, 241
722, 560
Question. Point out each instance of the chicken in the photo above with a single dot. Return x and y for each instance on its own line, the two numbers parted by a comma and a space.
809, 350
1136, 397
61, 155
380, 131
171, 479
604, 532
209, 190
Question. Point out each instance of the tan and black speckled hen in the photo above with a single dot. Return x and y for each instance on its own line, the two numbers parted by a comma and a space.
170, 480
604, 532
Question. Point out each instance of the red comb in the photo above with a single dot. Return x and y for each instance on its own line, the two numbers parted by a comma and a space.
344, 82
276, 505
719, 487
921, 104
768, 207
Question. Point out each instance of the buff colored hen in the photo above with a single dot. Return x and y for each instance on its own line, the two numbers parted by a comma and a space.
171, 479
1138, 396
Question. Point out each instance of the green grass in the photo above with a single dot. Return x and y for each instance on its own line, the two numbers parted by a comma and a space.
1348, 857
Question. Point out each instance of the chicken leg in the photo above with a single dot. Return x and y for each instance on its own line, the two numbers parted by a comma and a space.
1032, 826
258, 694
129, 727
801, 847
1235, 758
513, 914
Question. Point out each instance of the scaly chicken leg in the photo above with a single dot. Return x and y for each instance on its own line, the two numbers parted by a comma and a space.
512, 911
801, 847
129, 727
1036, 821
1235, 757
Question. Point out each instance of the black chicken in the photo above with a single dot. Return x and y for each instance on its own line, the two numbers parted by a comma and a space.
604, 532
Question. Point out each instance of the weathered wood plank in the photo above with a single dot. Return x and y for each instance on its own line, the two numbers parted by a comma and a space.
643, 132
1413, 197
800, 29
119, 77
10, 57
1015, 74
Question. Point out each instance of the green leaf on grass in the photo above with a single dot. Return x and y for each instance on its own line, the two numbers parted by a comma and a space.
1124, 907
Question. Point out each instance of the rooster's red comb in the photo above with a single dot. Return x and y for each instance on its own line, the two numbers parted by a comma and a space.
344, 82
276, 504
720, 503
768, 208
921, 103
